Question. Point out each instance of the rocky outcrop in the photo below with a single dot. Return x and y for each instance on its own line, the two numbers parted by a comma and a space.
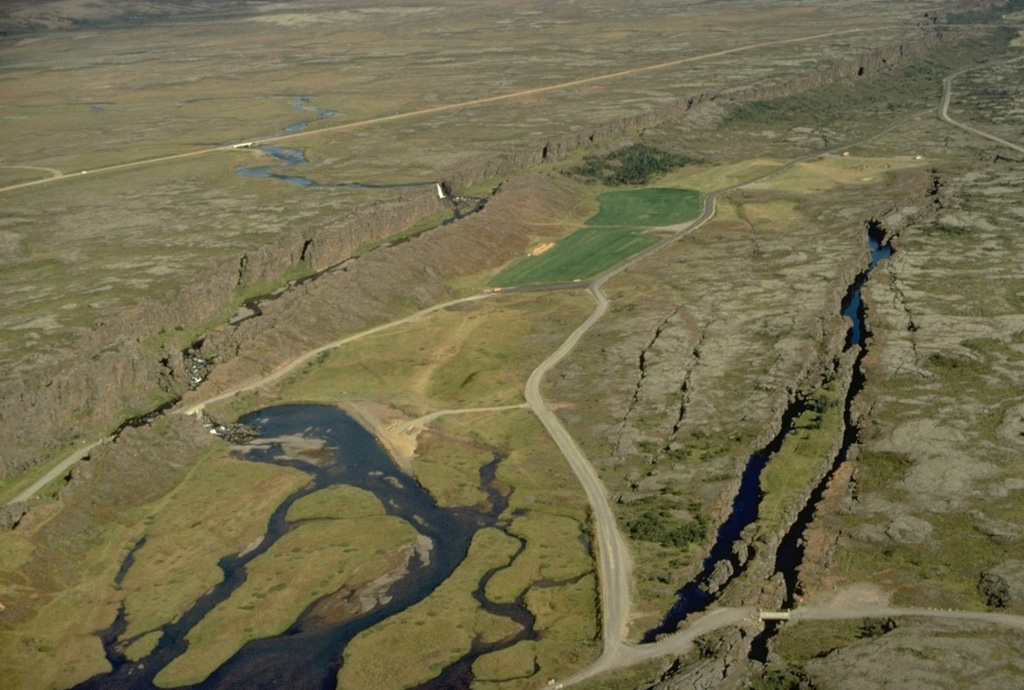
923, 654
10, 515
722, 664
117, 373
1003, 584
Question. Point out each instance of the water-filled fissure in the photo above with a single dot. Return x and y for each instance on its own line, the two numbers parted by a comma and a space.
790, 554
695, 596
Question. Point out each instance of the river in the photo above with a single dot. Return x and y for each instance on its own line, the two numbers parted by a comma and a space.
308, 654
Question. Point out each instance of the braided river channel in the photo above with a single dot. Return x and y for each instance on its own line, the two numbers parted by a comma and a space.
309, 653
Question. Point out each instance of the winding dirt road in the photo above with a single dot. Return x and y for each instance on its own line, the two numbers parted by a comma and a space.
62, 468
947, 91
717, 619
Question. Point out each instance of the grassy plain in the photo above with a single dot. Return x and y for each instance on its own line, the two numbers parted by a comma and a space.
707, 177
553, 570
65, 600
342, 502
471, 355
12, 176
427, 637
448, 466
60, 631
192, 528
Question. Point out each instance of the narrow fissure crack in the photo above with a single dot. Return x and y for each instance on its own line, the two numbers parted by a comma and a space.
642, 375
684, 387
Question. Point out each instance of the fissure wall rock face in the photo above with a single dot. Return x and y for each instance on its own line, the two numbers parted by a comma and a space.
115, 369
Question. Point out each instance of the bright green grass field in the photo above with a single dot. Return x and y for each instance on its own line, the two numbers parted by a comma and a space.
614, 233
646, 208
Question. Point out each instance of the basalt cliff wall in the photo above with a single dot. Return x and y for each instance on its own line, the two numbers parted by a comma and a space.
117, 371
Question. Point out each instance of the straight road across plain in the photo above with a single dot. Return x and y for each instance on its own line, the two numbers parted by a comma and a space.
383, 119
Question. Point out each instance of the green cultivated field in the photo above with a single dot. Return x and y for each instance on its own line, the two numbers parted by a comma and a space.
615, 232
649, 208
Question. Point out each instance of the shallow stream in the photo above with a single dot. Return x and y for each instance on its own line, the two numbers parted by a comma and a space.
293, 157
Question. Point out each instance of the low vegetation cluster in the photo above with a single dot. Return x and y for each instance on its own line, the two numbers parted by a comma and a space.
660, 524
635, 164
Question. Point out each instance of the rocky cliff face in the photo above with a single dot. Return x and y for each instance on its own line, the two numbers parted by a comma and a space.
118, 372
117, 369
397, 279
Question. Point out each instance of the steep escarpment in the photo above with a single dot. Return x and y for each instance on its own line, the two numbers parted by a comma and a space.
131, 361
553, 148
392, 280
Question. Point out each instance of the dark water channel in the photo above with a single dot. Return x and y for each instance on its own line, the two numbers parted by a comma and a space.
695, 596
791, 550
304, 103
790, 554
308, 654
